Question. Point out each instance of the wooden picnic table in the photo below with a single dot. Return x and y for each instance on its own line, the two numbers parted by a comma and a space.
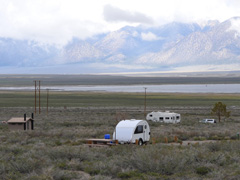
100, 142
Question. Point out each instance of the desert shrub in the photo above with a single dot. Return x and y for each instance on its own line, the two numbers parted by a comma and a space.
75, 143
13, 149
12, 175
104, 164
69, 124
184, 137
55, 150
65, 152
199, 138
62, 165
3, 167
224, 146
213, 147
112, 166
231, 146
15, 137
216, 137
203, 170
101, 177
159, 139
130, 174
74, 165
63, 175
92, 168
166, 161
35, 176
58, 142
3, 127
25, 164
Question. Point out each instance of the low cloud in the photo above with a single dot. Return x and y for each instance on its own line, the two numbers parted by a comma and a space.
149, 36
123, 67
235, 24
207, 67
114, 14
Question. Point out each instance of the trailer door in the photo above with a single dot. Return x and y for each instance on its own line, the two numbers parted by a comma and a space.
146, 133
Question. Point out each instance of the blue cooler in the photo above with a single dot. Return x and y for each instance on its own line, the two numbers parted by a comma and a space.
107, 136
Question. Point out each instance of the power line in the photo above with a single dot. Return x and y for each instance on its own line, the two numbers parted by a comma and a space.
145, 101
37, 88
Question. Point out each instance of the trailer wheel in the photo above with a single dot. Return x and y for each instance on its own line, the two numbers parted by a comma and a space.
140, 142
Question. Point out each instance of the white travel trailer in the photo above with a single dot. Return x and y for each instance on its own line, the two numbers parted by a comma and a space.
128, 131
166, 117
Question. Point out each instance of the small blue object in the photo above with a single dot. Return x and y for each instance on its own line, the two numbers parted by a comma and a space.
107, 136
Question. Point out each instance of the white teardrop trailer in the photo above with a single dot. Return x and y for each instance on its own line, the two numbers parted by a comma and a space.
128, 131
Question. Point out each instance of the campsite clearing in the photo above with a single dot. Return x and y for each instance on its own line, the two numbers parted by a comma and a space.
56, 148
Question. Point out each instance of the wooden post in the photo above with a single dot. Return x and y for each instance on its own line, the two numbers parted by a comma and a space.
145, 102
47, 100
39, 99
153, 140
175, 138
89, 142
35, 96
166, 140
136, 141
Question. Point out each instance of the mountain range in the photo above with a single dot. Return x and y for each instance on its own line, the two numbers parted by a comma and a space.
134, 48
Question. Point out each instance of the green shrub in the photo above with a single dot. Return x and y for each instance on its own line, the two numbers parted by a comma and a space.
63, 175
130, 174
165, 161
62, 165
55, 150
25, 164
214, 147
203, 170
199, 138
91, 169
58, 143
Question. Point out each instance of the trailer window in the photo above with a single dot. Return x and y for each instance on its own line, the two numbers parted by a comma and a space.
139, 129
166, 117
150, 115
161, 118
178, 117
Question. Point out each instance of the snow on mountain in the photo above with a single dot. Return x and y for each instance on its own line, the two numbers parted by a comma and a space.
174, 45
26, 53
218, 45
81, 52
115, 41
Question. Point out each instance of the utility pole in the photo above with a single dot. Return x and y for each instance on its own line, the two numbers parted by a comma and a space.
145, 101
39, 99
37, 88
35, 96
47, 100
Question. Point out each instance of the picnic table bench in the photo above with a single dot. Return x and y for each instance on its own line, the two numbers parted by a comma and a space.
100, 142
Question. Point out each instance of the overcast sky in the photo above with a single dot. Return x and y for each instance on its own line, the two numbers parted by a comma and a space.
57, 21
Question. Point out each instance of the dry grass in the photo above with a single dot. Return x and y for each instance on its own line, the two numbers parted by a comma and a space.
56, 150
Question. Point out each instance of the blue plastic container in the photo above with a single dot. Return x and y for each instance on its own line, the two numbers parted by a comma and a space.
107, 136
